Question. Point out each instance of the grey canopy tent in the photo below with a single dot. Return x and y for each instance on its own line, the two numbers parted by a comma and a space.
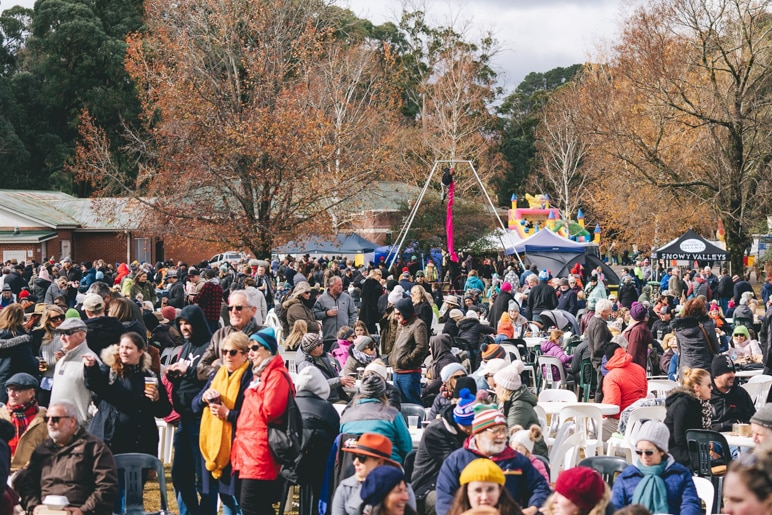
340, 244
548, 250
690, 246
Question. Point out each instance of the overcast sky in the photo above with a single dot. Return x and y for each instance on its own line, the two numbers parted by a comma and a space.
535, 35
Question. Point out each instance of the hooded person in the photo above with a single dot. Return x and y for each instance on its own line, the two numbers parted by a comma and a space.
624, 384
441, 356
320, 427
312, 352
41, 284
296, 308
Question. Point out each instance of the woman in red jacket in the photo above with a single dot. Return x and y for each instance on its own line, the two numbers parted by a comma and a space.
265, 402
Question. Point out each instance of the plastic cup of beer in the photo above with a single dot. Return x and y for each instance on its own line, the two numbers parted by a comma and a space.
151, 381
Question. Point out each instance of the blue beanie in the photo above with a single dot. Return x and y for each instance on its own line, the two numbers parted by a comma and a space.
267, 338
544, 275
379, 482
463, 413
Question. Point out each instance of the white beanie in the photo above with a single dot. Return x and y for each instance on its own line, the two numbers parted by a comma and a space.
378, 368
522, 437
509, 376
396, 294
450, 369
472, 314
310, 379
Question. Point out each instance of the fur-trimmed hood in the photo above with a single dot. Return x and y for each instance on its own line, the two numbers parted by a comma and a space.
110, 358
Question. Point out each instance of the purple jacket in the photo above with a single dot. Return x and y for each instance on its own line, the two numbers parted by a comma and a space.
550, 348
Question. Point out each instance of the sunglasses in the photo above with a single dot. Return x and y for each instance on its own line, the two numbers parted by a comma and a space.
236, 308
232, 352
57, 318
361, 457
70, 332
55, 420
256, 348
647, 452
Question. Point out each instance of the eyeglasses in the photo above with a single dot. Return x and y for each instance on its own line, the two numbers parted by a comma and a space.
232, 352
236, 308
647, 452
497, 431
457, 376
55, 420
57, 318
361, 457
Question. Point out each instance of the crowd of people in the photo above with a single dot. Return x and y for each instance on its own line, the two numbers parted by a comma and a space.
82, 380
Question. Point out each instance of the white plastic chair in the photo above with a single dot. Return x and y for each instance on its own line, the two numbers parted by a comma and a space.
661, 386
761, 378
165, 440
545, 364
758, 392
557, 396
565, 454
512, 350
587, 420
706, 492
625, 442
542, 416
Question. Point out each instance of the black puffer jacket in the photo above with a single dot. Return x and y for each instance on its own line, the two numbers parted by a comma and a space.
186, 387
441, 437
470, 330
103, 332
321, 424
694, 349
684, 412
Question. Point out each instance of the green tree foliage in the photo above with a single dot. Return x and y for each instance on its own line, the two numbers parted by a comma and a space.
65, 56
518, 118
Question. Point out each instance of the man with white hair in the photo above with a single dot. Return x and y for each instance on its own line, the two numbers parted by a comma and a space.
598, 335
241, 312
73, 463
69, 382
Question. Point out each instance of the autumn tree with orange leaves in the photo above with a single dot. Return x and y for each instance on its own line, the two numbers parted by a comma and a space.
683, 104
258, 123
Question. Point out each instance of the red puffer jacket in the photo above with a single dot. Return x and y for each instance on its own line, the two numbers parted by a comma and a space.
625, 383
250, 455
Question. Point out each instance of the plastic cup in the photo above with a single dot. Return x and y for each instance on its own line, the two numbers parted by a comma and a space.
151, 381
412, 421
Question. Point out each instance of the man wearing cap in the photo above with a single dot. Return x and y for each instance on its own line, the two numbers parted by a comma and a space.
176, 291
489, 440
27, 417
730, 403
440, 438
661, 326
7, 297
69, 381
567, 300
334, 308
410, 349
103, 331
371, 450
761, 425
73, 275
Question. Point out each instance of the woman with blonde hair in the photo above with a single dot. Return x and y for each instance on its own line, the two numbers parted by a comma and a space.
15, 347
688, 407
578, 491
293, 339
482, 484
50, 349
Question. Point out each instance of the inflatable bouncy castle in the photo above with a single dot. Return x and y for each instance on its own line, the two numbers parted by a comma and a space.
539, 215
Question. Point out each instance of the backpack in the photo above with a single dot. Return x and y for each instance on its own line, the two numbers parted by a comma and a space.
285, 440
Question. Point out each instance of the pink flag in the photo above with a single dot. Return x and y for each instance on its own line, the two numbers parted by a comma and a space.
449, 222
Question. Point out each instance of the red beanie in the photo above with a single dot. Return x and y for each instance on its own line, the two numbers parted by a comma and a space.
23, 294
582, 486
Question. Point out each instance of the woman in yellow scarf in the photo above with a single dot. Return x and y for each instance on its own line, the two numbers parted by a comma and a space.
220, 403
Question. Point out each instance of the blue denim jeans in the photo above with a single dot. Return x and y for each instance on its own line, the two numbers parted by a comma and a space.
188, 469
409, 387
230, 505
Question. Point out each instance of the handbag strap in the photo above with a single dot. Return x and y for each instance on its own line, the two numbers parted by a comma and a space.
710, 344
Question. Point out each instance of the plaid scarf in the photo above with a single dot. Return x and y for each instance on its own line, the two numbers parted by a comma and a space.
21, 416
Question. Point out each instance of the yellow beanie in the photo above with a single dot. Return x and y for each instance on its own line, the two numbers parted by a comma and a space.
482, 469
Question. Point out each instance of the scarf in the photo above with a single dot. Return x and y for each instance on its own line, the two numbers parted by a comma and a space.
707, 414
21, 416
362, 357
651, 491
216, 435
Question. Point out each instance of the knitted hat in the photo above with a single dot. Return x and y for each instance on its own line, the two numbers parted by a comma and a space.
310, 379
482, 469
522, 437
638, 311
396, 294
373, 386
450, 369
267, 338
763, 416
544, 275
509, 376
405, 308
379, 482
486, 416
505, 286
513, 306
377, 367
169, 314
464, 382
654, 432
72, 313
582, 486
741, 329
362, 342
463, 413
722, 364
489, 351
23, 294
472, 314
494, 365
310, 341
456, 314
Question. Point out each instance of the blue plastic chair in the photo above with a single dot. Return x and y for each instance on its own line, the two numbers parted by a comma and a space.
133, 466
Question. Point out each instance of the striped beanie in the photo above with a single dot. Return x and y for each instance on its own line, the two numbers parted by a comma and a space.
485, 416
463, 413
491, 351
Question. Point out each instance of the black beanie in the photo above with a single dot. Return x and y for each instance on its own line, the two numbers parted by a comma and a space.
405, 308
